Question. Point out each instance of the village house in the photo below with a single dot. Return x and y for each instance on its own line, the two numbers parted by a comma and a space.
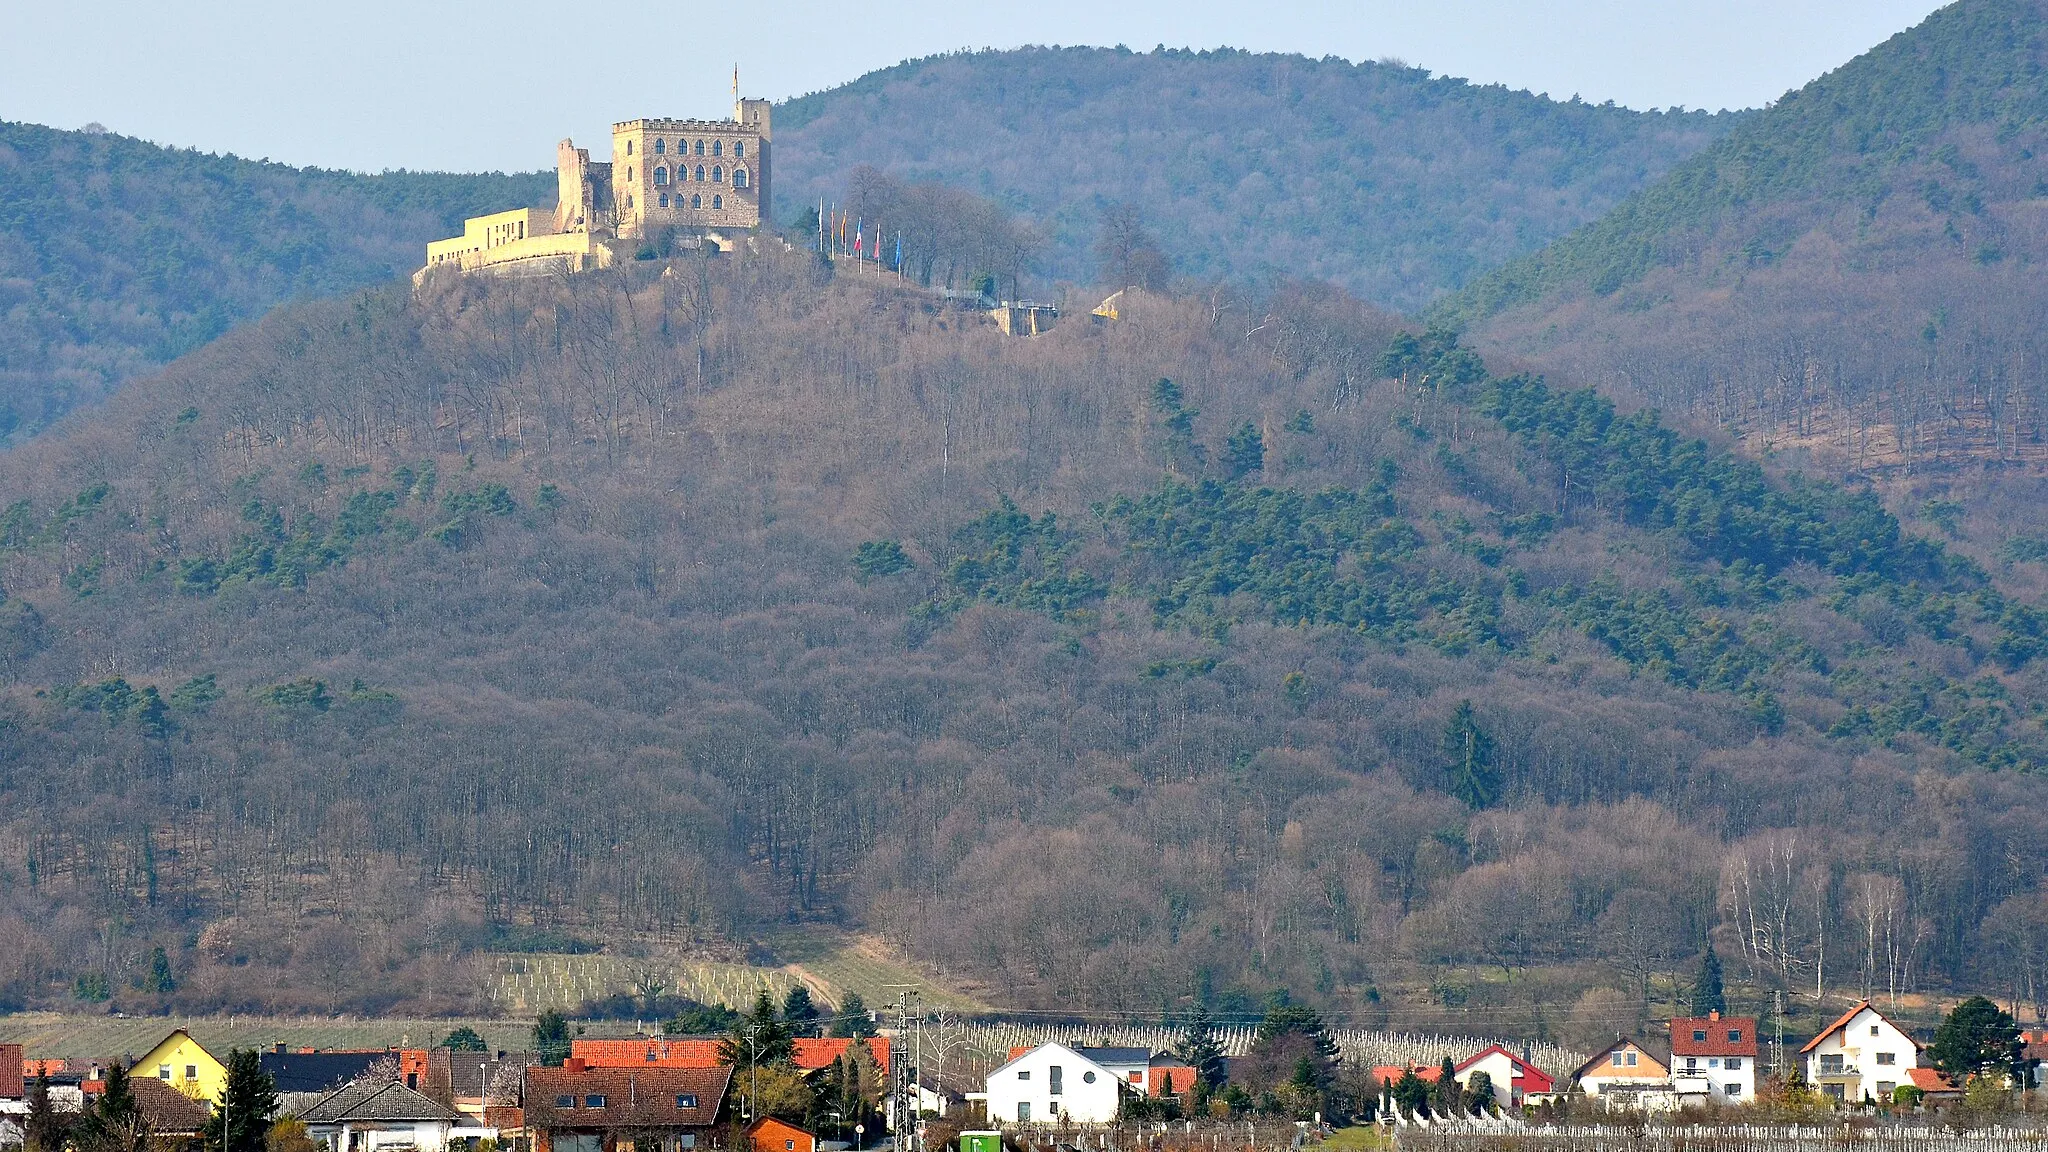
180, 1061
1515, 1081
174, 1118
1628, 1074
1714, 1056
771, 1135
370, 1114
1053, 1084
809, 1054
576, 1108
1861, 1056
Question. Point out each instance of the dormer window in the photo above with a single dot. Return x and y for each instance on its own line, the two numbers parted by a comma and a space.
594, 1100
1735, 1035
686, 1100
1699, 1035
565, 1101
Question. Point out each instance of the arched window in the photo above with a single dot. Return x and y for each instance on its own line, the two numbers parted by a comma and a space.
660, 177
696, 201
629, 147
660, 147
739, 177
718, 147
700, 173
717, 174
718, 201
664, 199
739, 147
629, 175
700, 147
629, 201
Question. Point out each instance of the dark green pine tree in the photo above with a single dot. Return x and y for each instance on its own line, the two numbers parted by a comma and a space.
242, 1116
1468, 755
798, 1011
759, 1039
852, 1018
1978, 1039
45, 1129
115, 1122
1203, 1051
1245, 452
551, 1038
158, 980
1707, 993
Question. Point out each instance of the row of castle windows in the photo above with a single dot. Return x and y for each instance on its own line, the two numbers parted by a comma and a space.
739, 176
717, 202
739, 148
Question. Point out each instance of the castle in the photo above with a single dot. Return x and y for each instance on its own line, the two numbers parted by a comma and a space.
694, 180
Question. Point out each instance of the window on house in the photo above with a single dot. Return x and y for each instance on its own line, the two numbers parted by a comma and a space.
1616, 1061
1023, 1111
1873, 1029
1054, 1082
718, 147
790, 1145
660, 177
1735, 1035
687, 1100
1733, 1064
717, 174
594, 1100
1631, 1059
687, 1140
565, 1101
739, 147
696, 201
1887, 1057
660, 147
1692, 1063
1700, 1034
1023, 1073
700, 173
1713, 1061
1830, 1064
664, 204
650, 1052
1886, 1087
191, 1071
700, 147
163, 1071
739, 177
1732, 1089
629, 152
629, 202
717, 202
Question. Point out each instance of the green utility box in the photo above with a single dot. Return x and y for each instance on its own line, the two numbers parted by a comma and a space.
981, 1142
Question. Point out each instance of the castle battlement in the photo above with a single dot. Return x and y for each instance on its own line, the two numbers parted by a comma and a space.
668, 178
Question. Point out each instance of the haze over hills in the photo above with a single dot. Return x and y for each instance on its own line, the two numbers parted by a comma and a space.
1377, 176
117, 255
1853, 274
1112, 668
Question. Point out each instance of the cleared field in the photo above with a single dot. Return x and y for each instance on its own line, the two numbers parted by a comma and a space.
52, 1034
838, 962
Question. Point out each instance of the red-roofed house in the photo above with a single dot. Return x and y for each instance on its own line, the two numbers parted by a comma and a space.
1860, 1055
1515, 1080
655, 1052
1170, 1077
1933, 1084
579, 1109
771, 1135
1389, 1074
1714, 1055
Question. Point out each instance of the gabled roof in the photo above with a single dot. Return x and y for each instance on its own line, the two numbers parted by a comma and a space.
1540, 1080
1842, 1022
1930, 1080
809, 1055
1715, 1041
1387, 1074
168, 1111
1114, 1055
633, 1097
1029, 1052
371, 1100
316, 1071
1600, 1058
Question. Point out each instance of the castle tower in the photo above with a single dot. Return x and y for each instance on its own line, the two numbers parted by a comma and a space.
691, 175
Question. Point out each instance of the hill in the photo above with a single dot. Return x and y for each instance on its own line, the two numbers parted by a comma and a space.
1377, 176
1854, 273
118, 256
1237, 646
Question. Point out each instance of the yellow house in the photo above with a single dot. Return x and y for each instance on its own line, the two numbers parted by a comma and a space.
180, 1062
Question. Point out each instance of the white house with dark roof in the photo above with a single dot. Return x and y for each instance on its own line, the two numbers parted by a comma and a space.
367, 1115
1053, 1084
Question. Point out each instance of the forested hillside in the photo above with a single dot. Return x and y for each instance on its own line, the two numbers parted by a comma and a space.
117, 256
1375, 176
1241, 644
1853, 273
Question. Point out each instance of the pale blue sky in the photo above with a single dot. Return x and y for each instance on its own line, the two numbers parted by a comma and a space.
459, 85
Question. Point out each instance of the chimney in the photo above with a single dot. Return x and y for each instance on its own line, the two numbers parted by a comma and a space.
278, 1048
1713, 1013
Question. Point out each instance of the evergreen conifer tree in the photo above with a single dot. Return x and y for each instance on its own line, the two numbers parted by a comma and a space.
1978, 1039
1202, 1050
1707, 993
1468, 752
241, 1117
798, 1011
44, 1130
551, 1038
851, 1020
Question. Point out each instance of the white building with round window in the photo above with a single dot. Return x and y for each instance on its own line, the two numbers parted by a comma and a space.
1053, 1084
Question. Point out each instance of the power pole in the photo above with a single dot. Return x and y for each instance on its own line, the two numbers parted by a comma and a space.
1778, 1023
903, 1071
